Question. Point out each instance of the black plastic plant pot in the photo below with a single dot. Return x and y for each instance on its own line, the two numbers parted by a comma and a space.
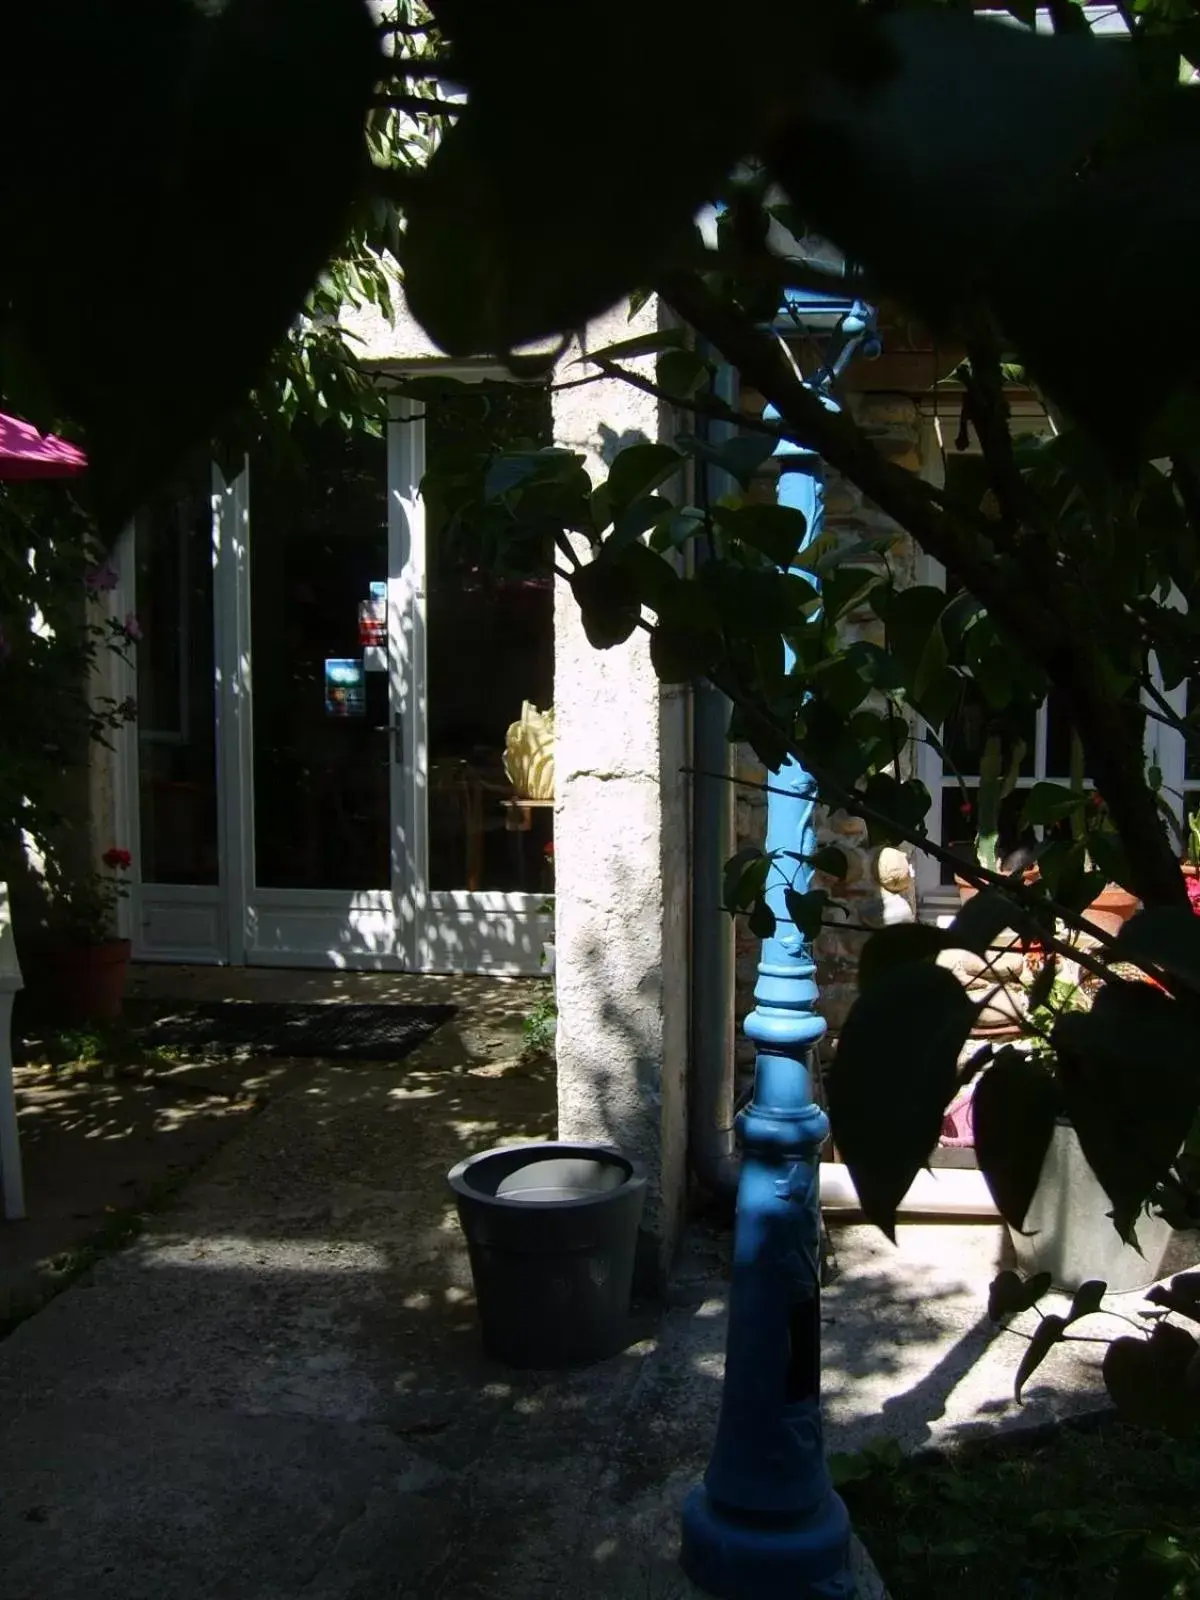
552, 1230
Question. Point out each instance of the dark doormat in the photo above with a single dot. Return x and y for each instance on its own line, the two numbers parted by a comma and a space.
273, 1028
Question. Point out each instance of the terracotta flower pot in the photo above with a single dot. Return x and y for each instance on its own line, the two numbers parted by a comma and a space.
1111, 909
89, 980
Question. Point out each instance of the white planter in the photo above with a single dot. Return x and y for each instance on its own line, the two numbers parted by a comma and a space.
548, 958
1069, 1234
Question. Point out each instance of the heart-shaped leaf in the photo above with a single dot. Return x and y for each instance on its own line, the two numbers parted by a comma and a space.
608, 600
1182, 1295
1087, 1299
1130, 1083
1015, 1106
895, 1072
1162, 936
1010, 1294
899, 946
1045, 1336
1147, 1380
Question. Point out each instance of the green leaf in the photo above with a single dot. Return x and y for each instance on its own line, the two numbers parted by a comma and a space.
901, 808
899, 946
1128, 1069
638, 470
742, 457
1046, 1335
681, 372
911, 617
778, 531
1181, 1295
985, 915
806, 910
642, 344
762, 920
1010, 1294
675, 530
631, 522
886, 1122
1147, 1380
1087, 1299
1048, 803
681, 650
933, 662
1167, 937
846, 1468
830, 860
607, 595
745, 878
1015, 1108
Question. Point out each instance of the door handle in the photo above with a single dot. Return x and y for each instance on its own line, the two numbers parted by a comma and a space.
396, 729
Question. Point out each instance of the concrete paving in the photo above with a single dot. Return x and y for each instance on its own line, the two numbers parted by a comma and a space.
278, 1393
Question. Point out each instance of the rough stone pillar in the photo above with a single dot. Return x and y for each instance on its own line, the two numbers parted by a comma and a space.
621, 856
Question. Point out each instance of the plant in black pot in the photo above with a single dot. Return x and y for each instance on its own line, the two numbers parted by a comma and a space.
1061, 1220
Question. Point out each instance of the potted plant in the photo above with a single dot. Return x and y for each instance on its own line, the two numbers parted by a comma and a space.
88, 962
1067, 1230
1085, 816
1191, 859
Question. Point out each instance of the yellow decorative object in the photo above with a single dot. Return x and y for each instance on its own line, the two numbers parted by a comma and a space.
529, 754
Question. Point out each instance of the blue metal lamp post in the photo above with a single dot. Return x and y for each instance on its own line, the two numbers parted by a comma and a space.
766, 1523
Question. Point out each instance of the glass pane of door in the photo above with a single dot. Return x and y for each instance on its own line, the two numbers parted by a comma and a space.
489, 650
176, 728
319, 681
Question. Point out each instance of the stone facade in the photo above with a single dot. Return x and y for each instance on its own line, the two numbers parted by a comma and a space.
879, 885
621, 857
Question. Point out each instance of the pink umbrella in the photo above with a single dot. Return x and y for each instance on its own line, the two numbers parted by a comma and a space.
26, 453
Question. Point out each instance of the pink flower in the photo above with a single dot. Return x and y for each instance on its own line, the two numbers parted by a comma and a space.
100, 579
132, 628
117, 857
1193, 893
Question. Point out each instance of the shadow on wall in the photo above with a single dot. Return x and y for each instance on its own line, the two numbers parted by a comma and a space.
612, 442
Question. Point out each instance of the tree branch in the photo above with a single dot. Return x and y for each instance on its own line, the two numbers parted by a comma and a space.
1031, 615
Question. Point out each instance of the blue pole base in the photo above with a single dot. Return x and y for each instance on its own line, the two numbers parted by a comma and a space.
761, 1558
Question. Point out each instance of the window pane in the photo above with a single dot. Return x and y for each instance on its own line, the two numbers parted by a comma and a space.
322, 746
176, 727
489, 649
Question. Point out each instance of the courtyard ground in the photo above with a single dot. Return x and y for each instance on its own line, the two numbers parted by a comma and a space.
277, 1390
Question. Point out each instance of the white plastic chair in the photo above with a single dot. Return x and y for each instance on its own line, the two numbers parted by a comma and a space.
12, 1186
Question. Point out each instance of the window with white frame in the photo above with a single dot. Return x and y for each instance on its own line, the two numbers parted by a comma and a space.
953, 780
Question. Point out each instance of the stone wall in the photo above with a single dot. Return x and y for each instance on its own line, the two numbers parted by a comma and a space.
621, 858
879, 885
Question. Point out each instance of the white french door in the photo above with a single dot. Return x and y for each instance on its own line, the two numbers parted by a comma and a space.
290, 806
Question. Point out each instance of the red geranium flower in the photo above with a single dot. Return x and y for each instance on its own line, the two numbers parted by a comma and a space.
117, 858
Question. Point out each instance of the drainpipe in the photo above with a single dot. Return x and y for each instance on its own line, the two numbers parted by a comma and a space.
712, 1146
